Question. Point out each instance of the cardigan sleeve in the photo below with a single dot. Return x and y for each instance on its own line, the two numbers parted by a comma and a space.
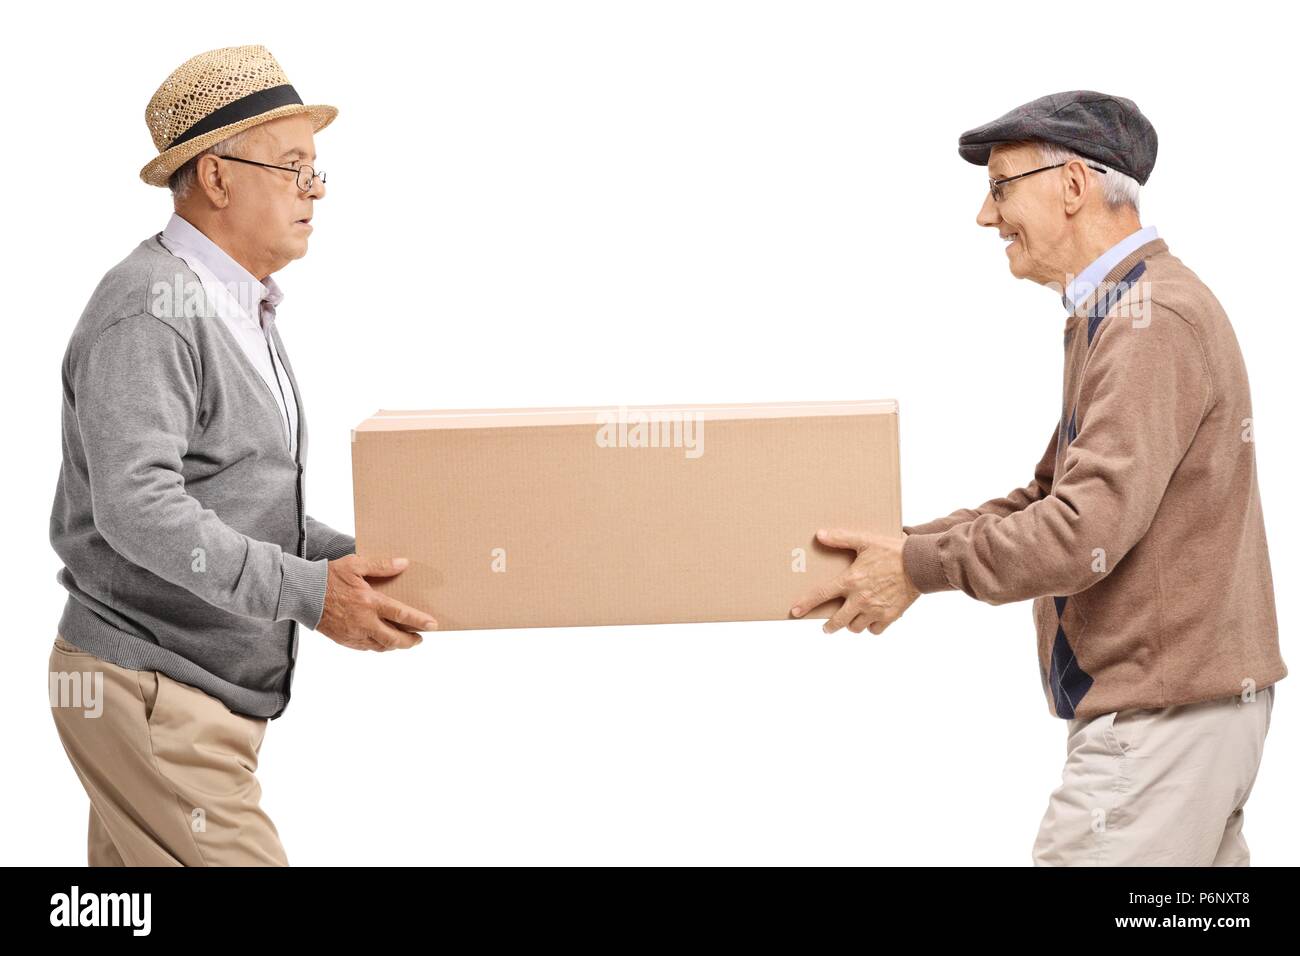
1144, 394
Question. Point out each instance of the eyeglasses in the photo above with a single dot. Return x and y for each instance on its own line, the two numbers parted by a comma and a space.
305, 174
995, 185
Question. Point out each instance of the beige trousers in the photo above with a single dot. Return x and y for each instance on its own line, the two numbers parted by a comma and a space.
170, 770
1157, 787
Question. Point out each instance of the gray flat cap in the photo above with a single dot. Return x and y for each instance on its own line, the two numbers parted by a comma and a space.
1109, 129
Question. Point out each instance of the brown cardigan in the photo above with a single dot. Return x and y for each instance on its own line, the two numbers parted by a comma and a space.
1141, 537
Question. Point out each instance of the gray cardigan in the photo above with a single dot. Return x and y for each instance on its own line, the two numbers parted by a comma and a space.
179, 511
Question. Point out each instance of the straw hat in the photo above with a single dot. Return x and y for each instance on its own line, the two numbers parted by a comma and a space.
215, 95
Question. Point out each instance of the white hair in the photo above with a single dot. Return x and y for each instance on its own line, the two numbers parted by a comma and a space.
1117, 188
186, 176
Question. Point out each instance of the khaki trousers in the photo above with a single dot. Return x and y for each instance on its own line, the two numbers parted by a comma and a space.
170, 770
1157, 787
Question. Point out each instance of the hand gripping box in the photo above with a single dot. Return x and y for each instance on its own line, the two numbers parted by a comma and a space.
561, 517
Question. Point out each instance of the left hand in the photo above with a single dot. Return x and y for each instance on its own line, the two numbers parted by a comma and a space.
875, 588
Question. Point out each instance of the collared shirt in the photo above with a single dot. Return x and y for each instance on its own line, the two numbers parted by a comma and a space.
1088, 280
238, 296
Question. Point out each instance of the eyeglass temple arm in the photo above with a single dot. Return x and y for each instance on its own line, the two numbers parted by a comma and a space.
999, 182
287, 169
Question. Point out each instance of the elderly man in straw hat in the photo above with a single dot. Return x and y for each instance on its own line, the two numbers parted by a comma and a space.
189, 558
1140, 538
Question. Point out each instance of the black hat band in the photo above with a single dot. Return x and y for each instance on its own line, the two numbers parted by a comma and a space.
254, 104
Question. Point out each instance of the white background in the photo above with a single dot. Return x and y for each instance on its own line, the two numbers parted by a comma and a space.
610, 203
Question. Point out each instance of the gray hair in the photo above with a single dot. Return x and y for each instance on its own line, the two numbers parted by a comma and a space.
187, 175
1117, 188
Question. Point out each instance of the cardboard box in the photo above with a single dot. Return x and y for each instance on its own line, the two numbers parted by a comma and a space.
582, 516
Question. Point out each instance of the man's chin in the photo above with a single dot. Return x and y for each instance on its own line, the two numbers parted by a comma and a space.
1019, 267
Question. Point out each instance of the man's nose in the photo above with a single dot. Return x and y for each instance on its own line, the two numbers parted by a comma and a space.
317, 190
988, 214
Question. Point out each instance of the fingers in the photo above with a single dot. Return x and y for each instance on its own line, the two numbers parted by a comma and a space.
866, 622
843, 617
403, 614
390, 638
834, 538
842, 538
818, 596
381, 567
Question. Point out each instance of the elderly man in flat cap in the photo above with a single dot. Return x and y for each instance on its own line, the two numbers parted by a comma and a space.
1140, 537
189, 558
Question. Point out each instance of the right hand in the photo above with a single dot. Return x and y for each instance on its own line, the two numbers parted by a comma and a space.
359, 617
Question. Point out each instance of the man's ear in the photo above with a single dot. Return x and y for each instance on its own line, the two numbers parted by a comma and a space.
1075, 185
211, 179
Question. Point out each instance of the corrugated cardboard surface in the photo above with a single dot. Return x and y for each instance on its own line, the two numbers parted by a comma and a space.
521, 518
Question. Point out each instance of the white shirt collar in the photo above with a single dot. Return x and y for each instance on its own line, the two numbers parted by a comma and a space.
248, 291
1088, 280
